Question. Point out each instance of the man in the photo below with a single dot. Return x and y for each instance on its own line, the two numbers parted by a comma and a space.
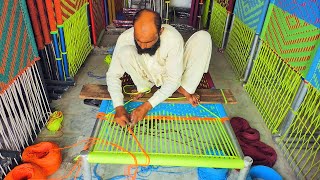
155, 54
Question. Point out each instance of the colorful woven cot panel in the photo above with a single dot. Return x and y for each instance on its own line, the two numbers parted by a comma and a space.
292, 38
77, 38
168, 133
239, 46
272, 86
17, 46
308, 10
252, 13
217, 24
314, 73
97, 19
69, 7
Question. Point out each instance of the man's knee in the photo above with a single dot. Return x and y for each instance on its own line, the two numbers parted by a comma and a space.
201, 36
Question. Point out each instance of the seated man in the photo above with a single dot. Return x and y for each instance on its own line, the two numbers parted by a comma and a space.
155, 54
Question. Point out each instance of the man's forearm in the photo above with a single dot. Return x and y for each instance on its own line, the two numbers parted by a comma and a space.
182, 91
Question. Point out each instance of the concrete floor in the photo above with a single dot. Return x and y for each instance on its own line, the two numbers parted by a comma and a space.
80, 118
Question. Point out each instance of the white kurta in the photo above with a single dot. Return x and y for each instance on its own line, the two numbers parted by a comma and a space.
173, 65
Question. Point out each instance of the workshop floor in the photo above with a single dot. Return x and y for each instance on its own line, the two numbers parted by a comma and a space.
80, 118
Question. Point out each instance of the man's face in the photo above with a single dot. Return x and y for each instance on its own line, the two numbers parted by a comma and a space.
147, 47
146, 34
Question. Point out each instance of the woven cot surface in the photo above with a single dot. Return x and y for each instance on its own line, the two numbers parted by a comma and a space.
251, 12
239, 46
292, 38
77, 37
308, 10
272, 86
171, 129
17, 46
217, 24
69, 7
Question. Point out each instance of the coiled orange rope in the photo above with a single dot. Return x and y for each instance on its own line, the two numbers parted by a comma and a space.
26, 171
45, 154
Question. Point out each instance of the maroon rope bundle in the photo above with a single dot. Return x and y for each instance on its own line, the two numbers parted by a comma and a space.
249, 140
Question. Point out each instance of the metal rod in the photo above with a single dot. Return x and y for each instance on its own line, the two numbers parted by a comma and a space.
247, 165
161, 8
85, 165
225, 38
167, 11
233, 138
250, 60
95, 131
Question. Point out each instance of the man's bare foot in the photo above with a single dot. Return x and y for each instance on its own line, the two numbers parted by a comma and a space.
194, 99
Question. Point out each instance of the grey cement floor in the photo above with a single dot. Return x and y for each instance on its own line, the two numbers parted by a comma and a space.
80, 118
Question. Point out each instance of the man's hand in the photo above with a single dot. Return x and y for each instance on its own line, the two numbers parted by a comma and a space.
194, 99
121, 116
137, 96
139, 113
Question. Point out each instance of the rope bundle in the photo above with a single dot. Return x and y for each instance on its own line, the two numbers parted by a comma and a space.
46, 155
249, 140
26, 171
55, 120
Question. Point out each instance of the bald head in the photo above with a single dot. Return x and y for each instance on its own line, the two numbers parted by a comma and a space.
147, 28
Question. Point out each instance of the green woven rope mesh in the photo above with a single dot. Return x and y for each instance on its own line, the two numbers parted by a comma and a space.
205, 14
292, 38
217, 24
272, 86
77, 37
239, 46
173, 141
301, 142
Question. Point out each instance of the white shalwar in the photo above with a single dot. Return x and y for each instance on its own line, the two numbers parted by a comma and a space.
173, 65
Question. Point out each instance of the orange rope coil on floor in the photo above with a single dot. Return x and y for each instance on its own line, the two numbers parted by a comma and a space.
46, 155
26, 171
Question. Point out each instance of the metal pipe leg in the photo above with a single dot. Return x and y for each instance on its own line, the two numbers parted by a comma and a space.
86, 169
247, 165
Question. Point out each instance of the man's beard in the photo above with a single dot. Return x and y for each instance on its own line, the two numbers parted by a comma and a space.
151, 51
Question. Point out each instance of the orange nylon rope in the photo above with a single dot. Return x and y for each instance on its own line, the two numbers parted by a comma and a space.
51, 15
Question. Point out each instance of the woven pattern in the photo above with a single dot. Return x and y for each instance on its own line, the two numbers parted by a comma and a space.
166, 133
217, 24
77, 37
251, 13
69, 7
308, 10
292, 38
98, 18
17, 46
272, 86
314, 73
301, 142
239, 46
